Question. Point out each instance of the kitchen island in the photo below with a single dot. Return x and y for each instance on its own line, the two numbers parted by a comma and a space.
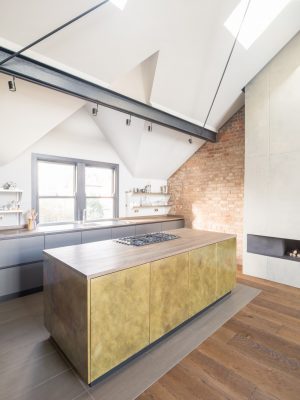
106, 301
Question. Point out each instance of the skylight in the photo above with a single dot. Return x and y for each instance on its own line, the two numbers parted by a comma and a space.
260, 15
119, 3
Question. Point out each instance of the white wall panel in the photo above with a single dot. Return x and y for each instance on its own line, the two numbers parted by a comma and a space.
272, 161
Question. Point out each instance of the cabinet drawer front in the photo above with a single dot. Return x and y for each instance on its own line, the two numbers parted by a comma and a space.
148, 228
203, 278
122, 231
119, 317
62, 239
20, 278
226, 270
96, 235
168, 294
169, 225
21, 251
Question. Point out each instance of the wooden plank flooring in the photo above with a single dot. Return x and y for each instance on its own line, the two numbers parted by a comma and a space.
253, 356
32, 368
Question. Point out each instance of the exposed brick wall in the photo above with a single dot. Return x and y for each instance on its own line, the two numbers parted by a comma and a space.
208, 189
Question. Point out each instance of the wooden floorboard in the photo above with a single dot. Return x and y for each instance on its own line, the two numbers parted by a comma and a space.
253, 356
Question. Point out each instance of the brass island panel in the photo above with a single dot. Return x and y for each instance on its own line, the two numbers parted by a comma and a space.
119, 317
226, 271
203, 278
169, 294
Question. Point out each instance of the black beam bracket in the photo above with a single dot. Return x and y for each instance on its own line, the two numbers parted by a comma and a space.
28, 69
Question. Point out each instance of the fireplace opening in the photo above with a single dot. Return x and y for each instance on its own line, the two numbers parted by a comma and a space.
274, 247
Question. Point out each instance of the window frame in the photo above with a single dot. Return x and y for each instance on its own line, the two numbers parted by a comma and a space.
80, 195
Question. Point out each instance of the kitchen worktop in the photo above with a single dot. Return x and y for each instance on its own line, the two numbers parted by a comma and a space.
101, 258
75, 227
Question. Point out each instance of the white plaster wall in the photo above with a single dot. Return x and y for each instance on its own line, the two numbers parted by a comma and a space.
272, 161
77, 137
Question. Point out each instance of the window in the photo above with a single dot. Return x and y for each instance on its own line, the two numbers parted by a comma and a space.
260, 14
99, 189
63, 188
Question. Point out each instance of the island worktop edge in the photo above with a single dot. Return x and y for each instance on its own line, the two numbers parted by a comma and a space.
92, 260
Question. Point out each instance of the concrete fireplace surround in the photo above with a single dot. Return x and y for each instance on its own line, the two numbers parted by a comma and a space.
272, 247
272, 165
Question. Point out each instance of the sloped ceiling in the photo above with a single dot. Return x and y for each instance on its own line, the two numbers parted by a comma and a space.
152, 155
191, 39
138, 82
169, 53
28, 114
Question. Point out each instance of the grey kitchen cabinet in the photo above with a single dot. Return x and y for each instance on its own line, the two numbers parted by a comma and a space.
169, 225
96, 235
62, 239
21, 278
122, 231
148, 228
21, 250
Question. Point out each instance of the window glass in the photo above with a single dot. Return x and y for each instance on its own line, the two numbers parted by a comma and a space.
56, 210
97, 208
99, 182
56, 179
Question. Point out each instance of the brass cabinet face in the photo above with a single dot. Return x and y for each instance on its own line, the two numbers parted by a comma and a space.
119, 317
169, 294
226, 271
203, 278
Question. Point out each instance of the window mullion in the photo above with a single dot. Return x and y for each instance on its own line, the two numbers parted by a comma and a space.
80, 191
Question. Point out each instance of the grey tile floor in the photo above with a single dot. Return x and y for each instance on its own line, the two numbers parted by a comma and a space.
31, 367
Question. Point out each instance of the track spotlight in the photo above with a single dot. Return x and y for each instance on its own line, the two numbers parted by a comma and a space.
149, 127
190, 140
95, 111
128, 121
12, 85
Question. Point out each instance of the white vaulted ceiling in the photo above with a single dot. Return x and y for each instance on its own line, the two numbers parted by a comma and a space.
168, 53
28, 114
153, 155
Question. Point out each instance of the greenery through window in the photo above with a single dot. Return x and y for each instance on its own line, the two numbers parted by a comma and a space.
65, 187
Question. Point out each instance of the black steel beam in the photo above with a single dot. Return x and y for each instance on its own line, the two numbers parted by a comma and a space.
42, 74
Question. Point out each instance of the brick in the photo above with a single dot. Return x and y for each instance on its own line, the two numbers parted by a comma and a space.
208, 189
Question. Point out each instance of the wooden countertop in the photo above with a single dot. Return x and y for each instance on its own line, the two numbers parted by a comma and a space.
102, 258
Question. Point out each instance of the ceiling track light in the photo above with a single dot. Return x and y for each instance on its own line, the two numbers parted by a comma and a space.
12, 85
149, 127
95, 110
128, 121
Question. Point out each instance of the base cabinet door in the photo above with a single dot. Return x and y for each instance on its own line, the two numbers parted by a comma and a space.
203, 278
168, 294
226, 269
119, 317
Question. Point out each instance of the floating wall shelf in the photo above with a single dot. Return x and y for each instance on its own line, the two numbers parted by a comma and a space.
11, 211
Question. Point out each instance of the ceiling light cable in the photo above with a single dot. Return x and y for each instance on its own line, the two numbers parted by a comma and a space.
17, 53
226, 65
